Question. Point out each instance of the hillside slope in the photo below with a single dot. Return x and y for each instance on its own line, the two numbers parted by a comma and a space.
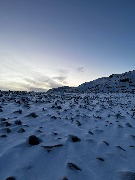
115, 83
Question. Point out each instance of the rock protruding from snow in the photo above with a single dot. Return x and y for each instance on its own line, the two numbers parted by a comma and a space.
34, 140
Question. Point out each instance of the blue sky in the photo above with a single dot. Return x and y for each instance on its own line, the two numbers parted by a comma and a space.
51, 43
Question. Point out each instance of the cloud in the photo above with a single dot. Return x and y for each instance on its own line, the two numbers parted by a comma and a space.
61, 79
80, 69
43, 82
16, 75
37, 82
62, 72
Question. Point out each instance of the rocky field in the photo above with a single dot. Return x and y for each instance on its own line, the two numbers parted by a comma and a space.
67, 136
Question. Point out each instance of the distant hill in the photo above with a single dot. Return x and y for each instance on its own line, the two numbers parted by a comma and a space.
115, 83
63, 89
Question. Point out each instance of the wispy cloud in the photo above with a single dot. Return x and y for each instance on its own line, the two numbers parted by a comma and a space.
61, 79
17, 76
80, 69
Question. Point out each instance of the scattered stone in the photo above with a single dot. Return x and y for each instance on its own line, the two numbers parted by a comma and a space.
119, 147
33, 140
90, 132
78, 123
120, 126
65, 178
5, 123
73, 166
74, 138
128, 125
39, 131
131, 146
33, 115
59, 107
3, 135
10, 178
1, 110
26, 125
133, 136
53, 117
3, 119
21, 130
8, 130
100, 159
18, 122
19, 111
106, 143
55, 133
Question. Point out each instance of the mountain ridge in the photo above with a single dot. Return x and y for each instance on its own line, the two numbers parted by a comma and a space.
115, 83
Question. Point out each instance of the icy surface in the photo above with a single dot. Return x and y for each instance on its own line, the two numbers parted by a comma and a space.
77, 136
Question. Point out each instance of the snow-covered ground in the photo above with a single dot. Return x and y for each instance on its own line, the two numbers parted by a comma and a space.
77, 136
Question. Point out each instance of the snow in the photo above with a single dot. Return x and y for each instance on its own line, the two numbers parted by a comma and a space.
103, 126
115, 83
124, 82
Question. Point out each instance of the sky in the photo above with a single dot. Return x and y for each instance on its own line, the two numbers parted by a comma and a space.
51, 43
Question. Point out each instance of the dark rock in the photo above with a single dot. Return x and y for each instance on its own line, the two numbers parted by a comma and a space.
128, 125
33, 115
21, 130
73, 166
10, 178
55, 133
119, 147
53, 117
133, 136
18, 122
65, 178
74, 138
26, 125
19, 111
131, 146
78, 123
90, 132
3, 119
8, 130
106, 143
6, 123
33, 140
59, 107
100, 159
3, 135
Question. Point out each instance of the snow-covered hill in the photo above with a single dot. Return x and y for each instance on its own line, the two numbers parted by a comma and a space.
63, 89
113, 84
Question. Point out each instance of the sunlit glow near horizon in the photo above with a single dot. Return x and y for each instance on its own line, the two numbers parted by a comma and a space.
47, 44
